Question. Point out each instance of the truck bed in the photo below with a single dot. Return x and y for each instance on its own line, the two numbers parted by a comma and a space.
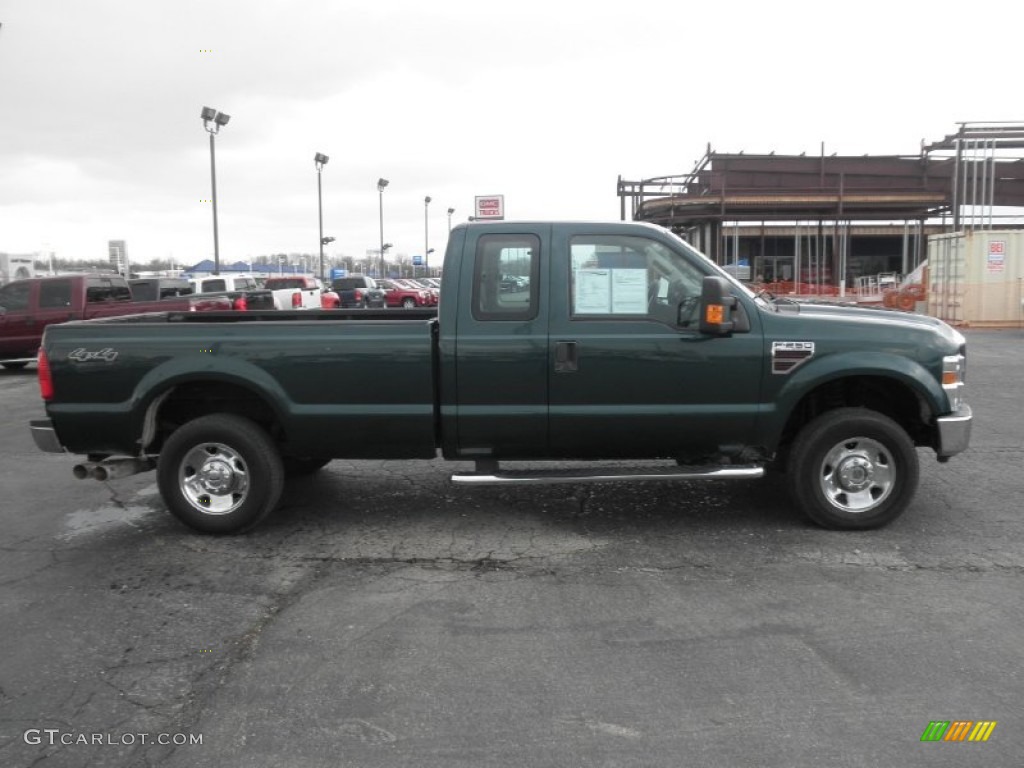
339, 387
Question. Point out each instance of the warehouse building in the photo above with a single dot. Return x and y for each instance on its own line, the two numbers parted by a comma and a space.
829, 224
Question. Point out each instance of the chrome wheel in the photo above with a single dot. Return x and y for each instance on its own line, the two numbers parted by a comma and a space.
214, 479
857, 474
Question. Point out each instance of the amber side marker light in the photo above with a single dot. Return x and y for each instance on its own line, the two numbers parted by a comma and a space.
949, 378
45, 377
715, 313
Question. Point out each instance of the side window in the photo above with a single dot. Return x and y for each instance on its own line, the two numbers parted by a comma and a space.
505, 272
54, 294
213, 285
14, 296
616, 276
97, 290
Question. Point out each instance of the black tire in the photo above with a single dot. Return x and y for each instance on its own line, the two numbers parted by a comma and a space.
13, 366
238, 455
853, 469
296, 467
409, 302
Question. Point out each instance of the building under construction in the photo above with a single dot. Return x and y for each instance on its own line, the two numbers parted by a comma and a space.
819, 224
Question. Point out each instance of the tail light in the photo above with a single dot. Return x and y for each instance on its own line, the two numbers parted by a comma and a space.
45, 376
240, 304
297, 300
359, 295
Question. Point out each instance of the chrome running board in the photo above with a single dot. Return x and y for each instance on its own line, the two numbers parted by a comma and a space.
609, 475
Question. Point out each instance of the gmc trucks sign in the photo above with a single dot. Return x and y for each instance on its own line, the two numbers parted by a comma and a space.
490, 208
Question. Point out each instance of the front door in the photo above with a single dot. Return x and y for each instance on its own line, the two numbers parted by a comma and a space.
629, 373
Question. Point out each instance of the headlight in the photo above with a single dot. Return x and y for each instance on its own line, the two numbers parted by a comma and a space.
953, 369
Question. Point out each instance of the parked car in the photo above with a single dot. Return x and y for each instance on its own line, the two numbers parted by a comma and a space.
294, 292
397, 293
27, 307
421, 282
243, 290
358, 292
328, 298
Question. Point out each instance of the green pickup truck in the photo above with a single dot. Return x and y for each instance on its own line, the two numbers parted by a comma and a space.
552, 341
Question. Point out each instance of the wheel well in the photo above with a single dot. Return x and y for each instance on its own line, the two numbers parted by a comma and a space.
886, 396
194, 399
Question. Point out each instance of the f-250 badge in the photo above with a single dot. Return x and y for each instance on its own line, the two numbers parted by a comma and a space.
787, 356
82, 355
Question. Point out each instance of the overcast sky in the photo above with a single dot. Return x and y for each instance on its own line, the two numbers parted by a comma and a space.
545, 102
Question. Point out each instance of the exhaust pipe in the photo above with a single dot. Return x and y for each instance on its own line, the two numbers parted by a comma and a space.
84, 470
115, 468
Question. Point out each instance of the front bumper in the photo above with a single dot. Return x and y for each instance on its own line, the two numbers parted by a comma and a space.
954, 431
45, 436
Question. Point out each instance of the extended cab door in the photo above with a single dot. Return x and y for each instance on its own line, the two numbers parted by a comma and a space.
630, 374
501, 343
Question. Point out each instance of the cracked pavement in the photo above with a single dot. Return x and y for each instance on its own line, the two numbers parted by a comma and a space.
382, 617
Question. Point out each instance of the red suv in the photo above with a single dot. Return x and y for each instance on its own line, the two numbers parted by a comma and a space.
400, 294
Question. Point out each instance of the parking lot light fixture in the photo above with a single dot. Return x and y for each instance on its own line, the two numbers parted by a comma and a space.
426, 235
320, 160
381, 183
213, 121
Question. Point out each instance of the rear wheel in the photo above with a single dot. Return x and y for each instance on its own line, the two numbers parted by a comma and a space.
409, 302
853, 468
220, 474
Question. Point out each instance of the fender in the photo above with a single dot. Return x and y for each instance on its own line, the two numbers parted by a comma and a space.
157, 384
843, 365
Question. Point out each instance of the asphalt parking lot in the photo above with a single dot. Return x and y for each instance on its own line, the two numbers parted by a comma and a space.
384, 618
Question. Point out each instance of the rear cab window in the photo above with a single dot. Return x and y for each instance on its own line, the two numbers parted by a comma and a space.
505, 272
54, 294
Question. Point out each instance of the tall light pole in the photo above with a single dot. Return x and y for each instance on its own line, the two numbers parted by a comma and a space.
383, 249
381, 183
219, 119
426, 237
320, 160
450, 212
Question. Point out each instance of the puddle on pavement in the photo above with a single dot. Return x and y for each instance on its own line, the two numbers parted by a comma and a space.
102, 519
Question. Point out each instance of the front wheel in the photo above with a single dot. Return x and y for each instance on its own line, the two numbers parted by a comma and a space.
220, 474
853, 468
409, 303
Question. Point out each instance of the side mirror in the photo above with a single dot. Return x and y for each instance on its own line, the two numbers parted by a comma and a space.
717, 305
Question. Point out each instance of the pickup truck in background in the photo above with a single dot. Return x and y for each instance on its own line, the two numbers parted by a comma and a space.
620, 342
28, 307
294, 292
243, 290
358, 292
154, 288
